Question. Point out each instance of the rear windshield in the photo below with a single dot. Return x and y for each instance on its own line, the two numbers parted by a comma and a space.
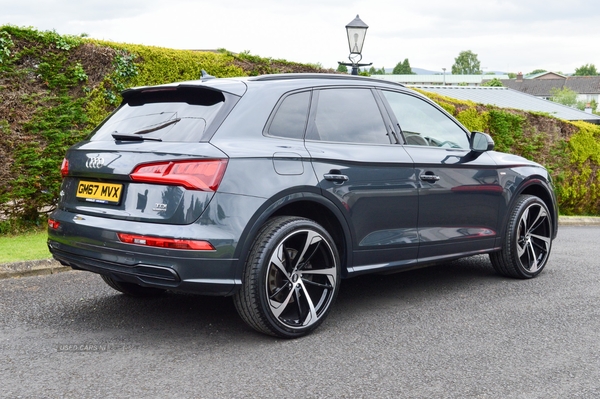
181, 115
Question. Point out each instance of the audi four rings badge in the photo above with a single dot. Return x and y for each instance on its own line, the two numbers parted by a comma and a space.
95, 163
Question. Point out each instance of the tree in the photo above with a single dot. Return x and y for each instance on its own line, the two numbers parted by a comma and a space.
342, 68
403, 68
493, 83
536, 71
564, 96
374, 71
466, 64
586, 70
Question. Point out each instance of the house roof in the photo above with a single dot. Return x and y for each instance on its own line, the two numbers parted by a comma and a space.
584, 84
546, 75
534, 87
542, 87
439, 79
508, 98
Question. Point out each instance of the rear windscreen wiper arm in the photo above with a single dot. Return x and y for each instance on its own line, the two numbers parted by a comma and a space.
136, 136
132, 137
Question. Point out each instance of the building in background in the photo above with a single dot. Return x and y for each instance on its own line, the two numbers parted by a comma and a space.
505, 97
441, 79
542, 85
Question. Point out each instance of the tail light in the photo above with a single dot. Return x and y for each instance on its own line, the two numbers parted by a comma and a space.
64, 168
53, 224
171, 243
204, 175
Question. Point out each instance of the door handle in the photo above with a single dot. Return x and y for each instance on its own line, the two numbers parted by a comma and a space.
430, 177
336, 177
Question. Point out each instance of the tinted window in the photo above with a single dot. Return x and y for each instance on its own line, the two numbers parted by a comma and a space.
290, 118
348, 115
176, 115
423, 124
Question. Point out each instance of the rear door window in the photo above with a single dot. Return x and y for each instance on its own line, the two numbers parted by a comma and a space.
348, 115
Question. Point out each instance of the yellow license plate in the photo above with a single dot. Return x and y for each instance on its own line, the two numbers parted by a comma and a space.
105, 193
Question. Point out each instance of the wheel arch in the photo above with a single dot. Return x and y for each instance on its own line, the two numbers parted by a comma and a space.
540, 188
308, 204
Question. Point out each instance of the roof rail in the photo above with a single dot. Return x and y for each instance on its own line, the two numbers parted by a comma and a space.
329, 76
291, 76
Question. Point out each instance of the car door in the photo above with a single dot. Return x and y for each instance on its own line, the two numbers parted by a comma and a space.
366, 174
459, 191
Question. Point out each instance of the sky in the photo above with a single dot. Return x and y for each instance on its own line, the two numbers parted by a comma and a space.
508, 36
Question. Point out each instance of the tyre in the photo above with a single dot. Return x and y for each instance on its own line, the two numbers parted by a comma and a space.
131, 289
291, 278
527, 240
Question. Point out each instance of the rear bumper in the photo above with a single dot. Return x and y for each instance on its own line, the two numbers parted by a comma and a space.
90, 243
189, 279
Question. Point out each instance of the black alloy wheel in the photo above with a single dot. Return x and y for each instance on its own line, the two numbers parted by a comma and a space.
528, 240
291, 278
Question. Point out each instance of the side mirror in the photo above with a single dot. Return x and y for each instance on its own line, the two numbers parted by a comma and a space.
481, 142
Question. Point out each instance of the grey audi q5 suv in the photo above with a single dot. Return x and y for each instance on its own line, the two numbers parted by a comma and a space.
273, 189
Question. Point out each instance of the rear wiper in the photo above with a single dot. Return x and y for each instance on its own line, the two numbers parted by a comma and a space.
136, 136
132, 137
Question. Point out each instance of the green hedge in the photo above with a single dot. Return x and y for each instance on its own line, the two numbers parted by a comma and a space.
55, 88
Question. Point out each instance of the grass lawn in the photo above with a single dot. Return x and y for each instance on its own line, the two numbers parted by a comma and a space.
31, 246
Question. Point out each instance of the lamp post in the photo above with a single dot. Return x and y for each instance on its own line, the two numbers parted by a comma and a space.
356, 30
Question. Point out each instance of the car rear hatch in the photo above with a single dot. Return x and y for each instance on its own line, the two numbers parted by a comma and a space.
150, 161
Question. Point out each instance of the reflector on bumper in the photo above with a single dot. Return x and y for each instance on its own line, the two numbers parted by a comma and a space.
171, 243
